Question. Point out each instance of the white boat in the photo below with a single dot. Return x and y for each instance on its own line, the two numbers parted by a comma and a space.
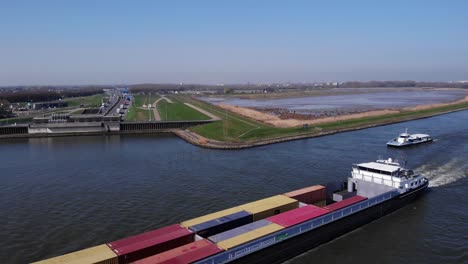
406, 139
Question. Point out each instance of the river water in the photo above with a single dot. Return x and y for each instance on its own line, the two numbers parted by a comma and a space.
63, 194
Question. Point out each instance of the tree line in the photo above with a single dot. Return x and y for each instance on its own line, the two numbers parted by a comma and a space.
42, 94
165, 88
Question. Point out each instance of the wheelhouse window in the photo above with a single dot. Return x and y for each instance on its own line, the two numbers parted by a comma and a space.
375, 171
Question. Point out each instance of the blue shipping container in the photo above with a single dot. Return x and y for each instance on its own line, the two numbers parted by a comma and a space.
239, 231
219, 225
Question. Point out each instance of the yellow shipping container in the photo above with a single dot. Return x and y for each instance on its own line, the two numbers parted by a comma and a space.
267, 207
209, 217
305, 190
96, 255
249, 236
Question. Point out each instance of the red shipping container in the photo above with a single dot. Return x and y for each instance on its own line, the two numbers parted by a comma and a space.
150, 243
308, 195
185, 254
344, 203
298, 215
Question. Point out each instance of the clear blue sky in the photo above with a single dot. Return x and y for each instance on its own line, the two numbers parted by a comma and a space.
102, 42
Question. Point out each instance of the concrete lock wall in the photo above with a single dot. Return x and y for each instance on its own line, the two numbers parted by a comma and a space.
76, 128
132, 126
86, 127
11, 130
112, 127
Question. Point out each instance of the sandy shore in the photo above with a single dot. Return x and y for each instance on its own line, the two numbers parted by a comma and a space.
278, 122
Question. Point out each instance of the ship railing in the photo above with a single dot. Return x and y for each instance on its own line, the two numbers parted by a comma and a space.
296, 230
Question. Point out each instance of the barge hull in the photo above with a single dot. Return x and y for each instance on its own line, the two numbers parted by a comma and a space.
295, 246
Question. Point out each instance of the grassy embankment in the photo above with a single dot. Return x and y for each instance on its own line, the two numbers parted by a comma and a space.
177, 110
86, 101
136, 112
15, 120
236, 128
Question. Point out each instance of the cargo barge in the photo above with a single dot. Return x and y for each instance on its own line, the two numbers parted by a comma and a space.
271, 230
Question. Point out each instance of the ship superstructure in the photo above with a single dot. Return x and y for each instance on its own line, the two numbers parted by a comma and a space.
384, 172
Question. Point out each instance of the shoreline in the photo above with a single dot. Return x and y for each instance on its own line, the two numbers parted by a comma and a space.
198, 140
328, 128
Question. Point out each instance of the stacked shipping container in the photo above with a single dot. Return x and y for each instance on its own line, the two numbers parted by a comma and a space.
239, 231
310, 195
345, 203
249, 236
101, 254
267, 207
228, 219
185, 254
297, 216
209, 217
222, 224
150, 243
228, 228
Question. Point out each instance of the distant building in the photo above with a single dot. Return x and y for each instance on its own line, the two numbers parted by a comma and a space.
52, 104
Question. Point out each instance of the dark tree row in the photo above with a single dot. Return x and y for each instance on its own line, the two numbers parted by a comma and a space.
164, 88
41, 94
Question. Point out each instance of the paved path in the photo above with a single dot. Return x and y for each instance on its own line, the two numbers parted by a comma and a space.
213, 117
167, 99
233, 117
157, 116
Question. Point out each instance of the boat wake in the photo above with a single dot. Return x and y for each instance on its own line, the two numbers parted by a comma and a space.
440, 175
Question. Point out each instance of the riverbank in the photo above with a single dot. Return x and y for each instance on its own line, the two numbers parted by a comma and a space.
205, 136
233, 131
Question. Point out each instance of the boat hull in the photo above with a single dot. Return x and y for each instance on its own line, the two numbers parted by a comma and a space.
295, 246
394, 143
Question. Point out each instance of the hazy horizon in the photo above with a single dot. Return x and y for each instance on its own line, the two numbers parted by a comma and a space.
212, 42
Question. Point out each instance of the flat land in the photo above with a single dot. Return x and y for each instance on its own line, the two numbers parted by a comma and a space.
87, 101
139, 113
291, 122
203, 111
235, 127
175, 110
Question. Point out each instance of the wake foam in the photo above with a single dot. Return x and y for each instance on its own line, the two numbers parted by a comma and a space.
440, 175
